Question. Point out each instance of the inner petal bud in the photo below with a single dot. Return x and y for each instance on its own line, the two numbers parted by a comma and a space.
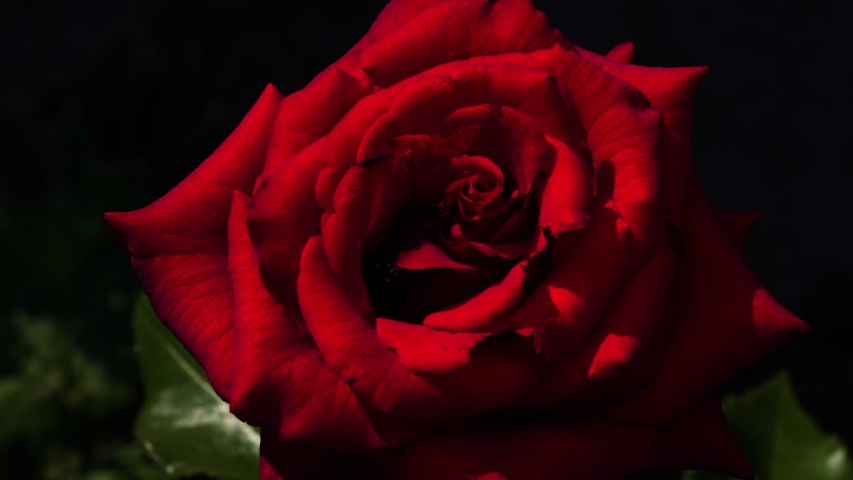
476, 190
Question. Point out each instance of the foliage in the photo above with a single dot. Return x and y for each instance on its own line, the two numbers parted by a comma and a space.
780, 439
183, 422
56, 395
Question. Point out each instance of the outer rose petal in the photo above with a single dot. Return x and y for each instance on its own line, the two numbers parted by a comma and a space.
619, 340
622, 53
179, 243
193, 216
580, 448
309, 114
584, 448
395, 15
623, 129
285, 461
278, 380
701, 439
737, 225
726, 320
568, 193
591, 448
291, 169
279, 234
556, 449
469, 28
672, 91
624, 135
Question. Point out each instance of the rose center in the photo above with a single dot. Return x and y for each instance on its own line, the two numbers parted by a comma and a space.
476, 191
436, 255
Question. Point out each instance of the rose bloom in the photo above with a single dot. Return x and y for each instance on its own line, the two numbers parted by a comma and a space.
467, 249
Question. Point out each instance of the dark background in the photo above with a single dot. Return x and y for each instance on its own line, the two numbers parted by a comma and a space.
106, 105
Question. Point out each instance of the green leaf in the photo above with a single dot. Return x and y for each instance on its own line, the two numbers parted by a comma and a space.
183, 423
780, 439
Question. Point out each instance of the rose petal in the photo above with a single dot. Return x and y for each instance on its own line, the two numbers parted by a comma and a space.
191, 294
477, 186
611, 391
278, 379
283, 215
481, 312
341, 145
568, 193
179, 243
576, 294
527, 449
510, 138
726, 321
309, 114
587, 447
619, 340
532, 91
635, 317
510, 251
419, 176
622, 53
414, 105
701, 439
395, 14
623, 130
352, 348
193, 216
737, 225
469, 28
671, 90
344, 229
282, 460
428, 256
520, 223
422, 349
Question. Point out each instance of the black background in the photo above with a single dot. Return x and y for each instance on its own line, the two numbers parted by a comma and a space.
104, 106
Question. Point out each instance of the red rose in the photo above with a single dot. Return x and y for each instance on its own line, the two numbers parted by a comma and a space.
468, 249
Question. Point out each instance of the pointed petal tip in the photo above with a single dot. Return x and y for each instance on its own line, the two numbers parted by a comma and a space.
270, 89
117, 223
798, 327
737, 225
611, 357
772, 318
691, 77
622, 53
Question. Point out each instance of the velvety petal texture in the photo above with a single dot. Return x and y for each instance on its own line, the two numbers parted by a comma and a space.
179, 243
466, 250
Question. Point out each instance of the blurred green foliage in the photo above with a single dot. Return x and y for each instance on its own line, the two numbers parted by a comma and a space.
183, 422
780, 439
55, 407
